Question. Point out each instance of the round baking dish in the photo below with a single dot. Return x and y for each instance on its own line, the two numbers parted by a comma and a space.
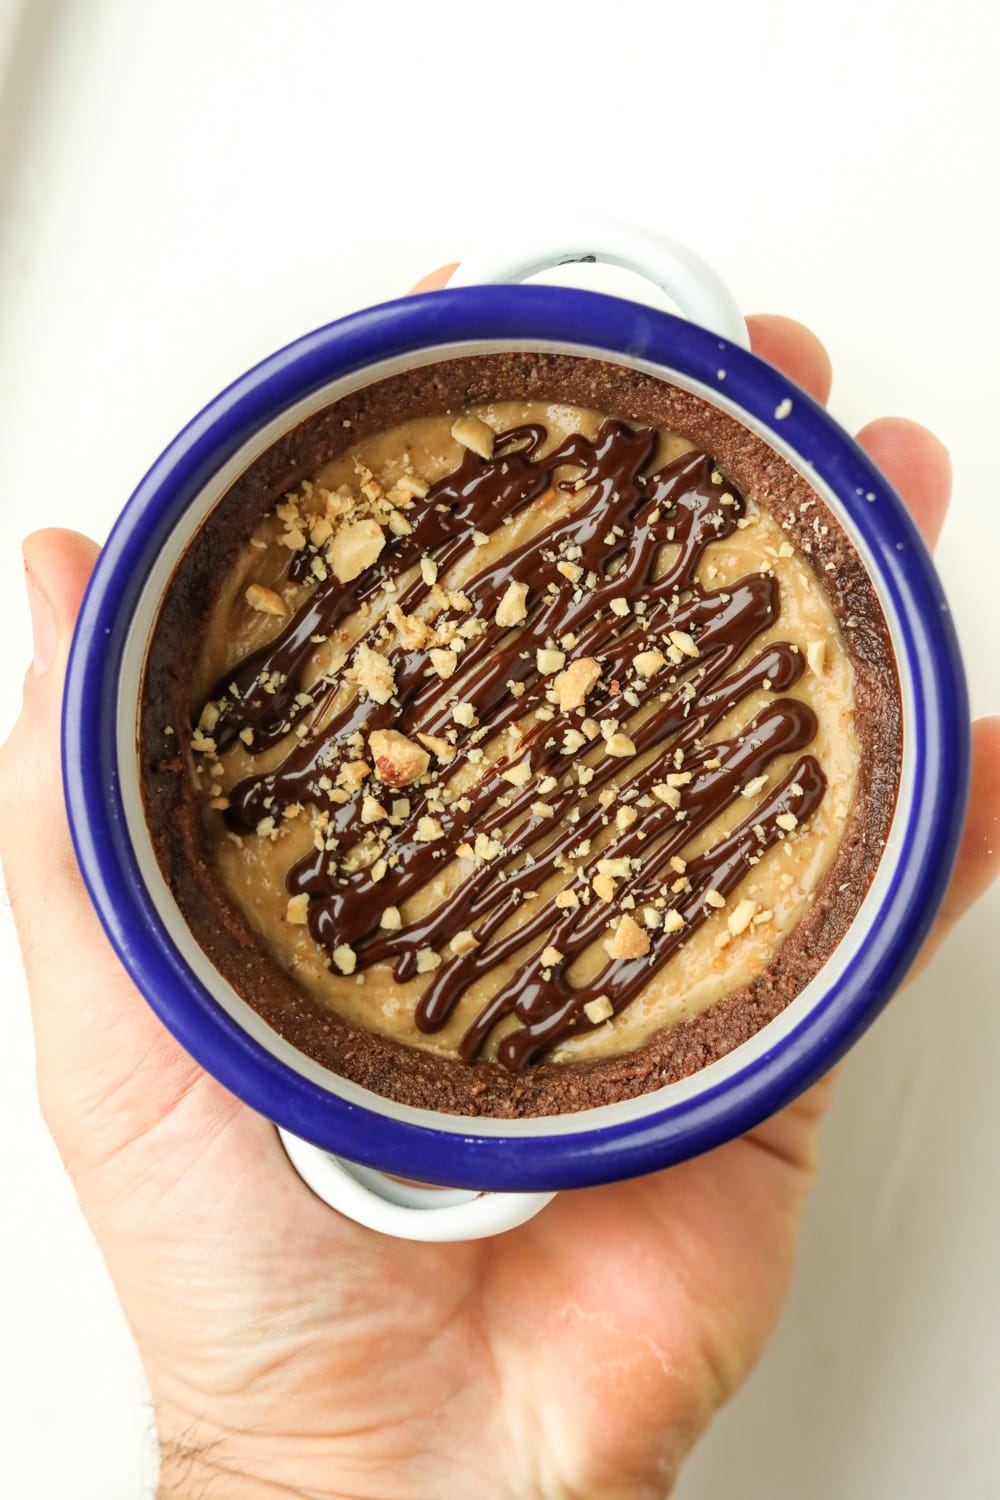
368, 1134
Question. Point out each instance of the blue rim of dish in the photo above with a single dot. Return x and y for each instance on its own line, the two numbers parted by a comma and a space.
525, 316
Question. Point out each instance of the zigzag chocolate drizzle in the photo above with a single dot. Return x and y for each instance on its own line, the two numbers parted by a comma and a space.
617, 536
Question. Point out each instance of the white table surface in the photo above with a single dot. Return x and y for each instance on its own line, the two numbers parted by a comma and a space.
185, 186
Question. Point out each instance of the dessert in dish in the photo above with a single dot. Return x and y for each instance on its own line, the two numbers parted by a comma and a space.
519, 735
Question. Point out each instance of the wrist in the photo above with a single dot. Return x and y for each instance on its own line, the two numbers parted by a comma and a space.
200, 1461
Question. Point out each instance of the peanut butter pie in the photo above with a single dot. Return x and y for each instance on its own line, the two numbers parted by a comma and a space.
519, 735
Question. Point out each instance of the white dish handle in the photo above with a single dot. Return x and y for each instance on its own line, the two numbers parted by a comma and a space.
407, 1210
689, 281
410, 1210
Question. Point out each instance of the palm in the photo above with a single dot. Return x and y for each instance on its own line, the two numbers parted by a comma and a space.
588, 1347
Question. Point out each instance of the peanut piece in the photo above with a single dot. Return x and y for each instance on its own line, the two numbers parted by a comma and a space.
648, 663
475, 435
297, 910
512, 608
373, 672
628, 940
398, 761
579, 679
598, 1010
354, 548
265, 601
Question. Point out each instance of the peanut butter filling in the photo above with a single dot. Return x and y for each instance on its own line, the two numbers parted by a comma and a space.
522, 733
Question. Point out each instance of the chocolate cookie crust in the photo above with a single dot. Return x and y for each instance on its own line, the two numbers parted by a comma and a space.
485, 1088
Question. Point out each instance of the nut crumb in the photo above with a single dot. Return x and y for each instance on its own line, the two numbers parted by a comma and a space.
345, 958
648, 663
598, 1010
475, 435
549, 661
265, 601
629, 940
372, 810
512, 608
373, 672
620, 745
410, 484
741, 916
579, 679
753, 787
398, 761
684, 642
354, 548
442, 749
464, 714
443, 661
297, 910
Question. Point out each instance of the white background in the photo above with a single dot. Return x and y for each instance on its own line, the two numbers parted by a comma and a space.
186, 185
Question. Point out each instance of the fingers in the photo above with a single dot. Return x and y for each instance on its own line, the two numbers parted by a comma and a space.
794, 349
917, 464
913, 460
978, 863
84, 1011
435, 280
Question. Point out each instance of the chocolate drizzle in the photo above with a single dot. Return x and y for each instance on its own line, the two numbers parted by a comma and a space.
619, 527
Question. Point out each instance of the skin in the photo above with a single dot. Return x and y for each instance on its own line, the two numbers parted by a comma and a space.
291, 1352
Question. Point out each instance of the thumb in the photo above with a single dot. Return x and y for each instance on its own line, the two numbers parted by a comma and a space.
92, 1029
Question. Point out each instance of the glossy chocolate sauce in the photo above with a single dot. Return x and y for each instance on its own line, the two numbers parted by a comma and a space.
625, 523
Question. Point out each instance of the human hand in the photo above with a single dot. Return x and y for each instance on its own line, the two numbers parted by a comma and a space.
291, 1352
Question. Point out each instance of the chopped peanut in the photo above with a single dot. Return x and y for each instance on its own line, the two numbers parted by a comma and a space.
628, 940
354, 548
579, 679
475, 435
442, 749
297, 910
398, 761
345, 958
265, 601
620, 745
512, 608
373, 672
741, 916
598, 1010
648, 663
683, 642
549, 661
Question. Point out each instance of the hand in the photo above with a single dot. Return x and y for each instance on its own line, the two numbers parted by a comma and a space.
291, 1352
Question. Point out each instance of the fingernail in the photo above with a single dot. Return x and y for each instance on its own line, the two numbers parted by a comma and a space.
44, 632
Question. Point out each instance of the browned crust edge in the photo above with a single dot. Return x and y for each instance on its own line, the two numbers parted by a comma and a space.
388, 1067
